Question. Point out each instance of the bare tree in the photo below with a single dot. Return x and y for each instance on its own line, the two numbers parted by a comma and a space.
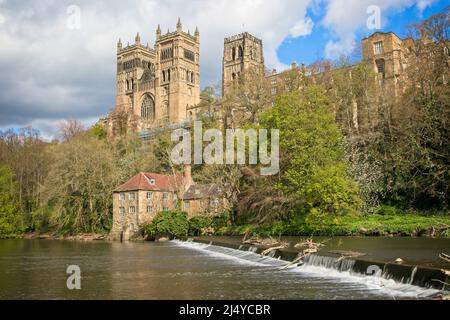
71, 128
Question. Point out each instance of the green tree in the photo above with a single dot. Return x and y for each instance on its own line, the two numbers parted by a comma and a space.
78, 189
168, 224
10, 224
313, 169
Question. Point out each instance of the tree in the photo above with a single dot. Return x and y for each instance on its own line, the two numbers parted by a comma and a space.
70, 129
313, 169
10, 220
78, 190
247, 97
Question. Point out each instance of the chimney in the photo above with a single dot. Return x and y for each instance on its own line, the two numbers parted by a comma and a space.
294, 65
188, 181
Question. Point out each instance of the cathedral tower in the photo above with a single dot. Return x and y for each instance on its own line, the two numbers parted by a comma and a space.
157, 87
240, 53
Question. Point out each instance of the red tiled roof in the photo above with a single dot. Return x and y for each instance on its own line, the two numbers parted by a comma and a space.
143, 181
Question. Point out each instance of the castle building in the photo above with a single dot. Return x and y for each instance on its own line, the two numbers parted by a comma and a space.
156, 87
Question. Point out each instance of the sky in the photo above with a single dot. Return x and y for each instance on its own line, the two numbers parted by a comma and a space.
57, 57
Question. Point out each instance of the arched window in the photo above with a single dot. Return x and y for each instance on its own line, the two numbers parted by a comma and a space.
233, 53
164, 76
168, 75
241, 52
148, 108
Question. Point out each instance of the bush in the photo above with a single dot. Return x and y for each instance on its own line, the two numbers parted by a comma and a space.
168, 224
220, 221
197, 224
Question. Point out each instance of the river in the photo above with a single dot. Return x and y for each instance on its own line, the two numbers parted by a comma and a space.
36, 269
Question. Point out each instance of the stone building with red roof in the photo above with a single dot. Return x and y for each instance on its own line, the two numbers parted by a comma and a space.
136, 202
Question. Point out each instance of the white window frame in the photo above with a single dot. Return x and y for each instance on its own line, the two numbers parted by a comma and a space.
132, 209
121, 196
122, 211
131, 196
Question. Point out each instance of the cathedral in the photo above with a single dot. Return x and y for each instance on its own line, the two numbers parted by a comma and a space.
156, 87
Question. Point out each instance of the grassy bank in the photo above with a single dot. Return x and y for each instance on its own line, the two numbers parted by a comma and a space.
369, 225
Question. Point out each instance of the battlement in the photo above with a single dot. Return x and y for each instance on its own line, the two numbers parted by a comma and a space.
242, 36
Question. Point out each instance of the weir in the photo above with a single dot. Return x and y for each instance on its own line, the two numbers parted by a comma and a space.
395, 279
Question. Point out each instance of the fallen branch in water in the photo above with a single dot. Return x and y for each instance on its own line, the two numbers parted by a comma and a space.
348, 254
267, 251
267, 242
299, 259
309, 244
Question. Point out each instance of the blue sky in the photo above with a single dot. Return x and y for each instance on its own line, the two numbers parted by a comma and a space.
310, 48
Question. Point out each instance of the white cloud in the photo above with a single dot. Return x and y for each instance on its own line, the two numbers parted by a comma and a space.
302, 28
423, 4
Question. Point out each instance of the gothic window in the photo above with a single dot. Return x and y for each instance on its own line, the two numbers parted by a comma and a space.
233, 53
148, 108
189, 55
241, 52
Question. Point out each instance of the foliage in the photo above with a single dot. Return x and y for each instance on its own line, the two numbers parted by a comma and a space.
77, 192
168, 223
98, 132
197, 224
10, 224
313, 168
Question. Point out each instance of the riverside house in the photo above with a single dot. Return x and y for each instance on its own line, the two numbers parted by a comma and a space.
136, 202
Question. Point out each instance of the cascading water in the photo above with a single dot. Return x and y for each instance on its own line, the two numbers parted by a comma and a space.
320, 267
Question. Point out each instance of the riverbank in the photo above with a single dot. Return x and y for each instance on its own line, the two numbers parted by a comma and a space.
84, 237
374, 225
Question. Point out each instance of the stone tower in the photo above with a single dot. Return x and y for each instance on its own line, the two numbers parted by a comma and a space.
157, 86
388, 54
240, 53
